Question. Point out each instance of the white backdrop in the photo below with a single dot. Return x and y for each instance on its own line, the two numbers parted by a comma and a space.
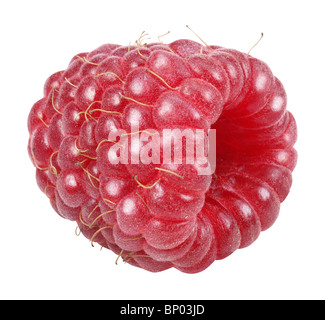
42, 258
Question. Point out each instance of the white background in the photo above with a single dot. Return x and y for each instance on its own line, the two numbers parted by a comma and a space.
42, 258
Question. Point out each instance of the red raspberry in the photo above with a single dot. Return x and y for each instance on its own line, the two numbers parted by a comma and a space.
159, 215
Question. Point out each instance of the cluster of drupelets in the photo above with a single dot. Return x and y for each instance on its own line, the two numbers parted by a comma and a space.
164, 216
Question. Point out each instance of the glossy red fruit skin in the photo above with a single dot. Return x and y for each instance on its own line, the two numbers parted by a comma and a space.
158, 216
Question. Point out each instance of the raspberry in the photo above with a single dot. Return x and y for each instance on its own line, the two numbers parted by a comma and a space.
156, 214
